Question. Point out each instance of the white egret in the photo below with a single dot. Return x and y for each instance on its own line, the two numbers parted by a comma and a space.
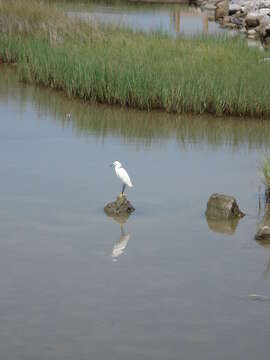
122, 174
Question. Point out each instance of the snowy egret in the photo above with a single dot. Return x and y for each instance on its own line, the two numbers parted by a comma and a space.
122, 174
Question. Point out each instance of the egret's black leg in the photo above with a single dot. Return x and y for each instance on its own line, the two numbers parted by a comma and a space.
123, 188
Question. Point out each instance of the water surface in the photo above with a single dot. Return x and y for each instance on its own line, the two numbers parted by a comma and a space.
163, 284
169, 18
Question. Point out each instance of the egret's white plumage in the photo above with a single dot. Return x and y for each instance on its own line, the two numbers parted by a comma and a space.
122, 174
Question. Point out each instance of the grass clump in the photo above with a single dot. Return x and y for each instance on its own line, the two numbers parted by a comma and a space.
265, 172
265, 176
117, 66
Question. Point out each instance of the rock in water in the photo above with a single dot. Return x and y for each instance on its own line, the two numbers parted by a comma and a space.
118, 207
222, 207
263, 229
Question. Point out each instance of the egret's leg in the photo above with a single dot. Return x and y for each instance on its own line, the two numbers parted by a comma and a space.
123, 189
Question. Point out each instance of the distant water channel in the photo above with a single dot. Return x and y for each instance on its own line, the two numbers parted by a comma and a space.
163, 284
172, 19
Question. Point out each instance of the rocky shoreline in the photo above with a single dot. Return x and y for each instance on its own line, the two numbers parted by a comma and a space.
250, 17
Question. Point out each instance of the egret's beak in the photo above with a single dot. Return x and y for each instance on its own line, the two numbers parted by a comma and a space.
111, 165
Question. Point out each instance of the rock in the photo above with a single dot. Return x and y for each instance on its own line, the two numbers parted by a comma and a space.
210, 7
222, 9
263, 232
119, 207
236, 21
221, 206
264, 11
264, 4
264, 30
233, 8
264, 33
263, 229
252, 21
252, 34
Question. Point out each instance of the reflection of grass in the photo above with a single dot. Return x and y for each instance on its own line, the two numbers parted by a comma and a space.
120, 67
138, 127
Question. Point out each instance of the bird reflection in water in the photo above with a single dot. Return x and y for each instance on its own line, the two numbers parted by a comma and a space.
121, 244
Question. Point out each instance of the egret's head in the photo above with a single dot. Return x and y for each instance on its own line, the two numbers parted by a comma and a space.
116, 163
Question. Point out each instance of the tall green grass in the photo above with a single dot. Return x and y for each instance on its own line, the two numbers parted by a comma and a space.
265, 172
265, 176
116, 66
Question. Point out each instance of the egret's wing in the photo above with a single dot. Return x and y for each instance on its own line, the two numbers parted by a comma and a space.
123, 175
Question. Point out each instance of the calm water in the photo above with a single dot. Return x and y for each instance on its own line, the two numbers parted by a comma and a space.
168, 285
172, 19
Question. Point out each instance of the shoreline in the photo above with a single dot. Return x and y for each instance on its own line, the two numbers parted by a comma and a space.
161, 1
119, 67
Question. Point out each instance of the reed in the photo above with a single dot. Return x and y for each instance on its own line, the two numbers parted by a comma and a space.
216, 75
265, 176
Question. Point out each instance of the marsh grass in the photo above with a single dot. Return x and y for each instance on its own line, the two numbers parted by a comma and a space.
264, 171
198, 75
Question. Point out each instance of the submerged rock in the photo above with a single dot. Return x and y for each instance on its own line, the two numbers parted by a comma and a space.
120, 206
221, 206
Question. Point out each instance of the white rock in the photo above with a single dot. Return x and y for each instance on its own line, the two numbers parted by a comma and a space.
264, 4
234, 7
210, 7
252, 32
264, 11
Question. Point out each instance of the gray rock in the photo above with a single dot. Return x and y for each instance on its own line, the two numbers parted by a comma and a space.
237, 21
120, 206
221, 206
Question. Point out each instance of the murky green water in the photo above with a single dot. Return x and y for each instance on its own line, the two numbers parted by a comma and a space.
168, 285
170, 18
